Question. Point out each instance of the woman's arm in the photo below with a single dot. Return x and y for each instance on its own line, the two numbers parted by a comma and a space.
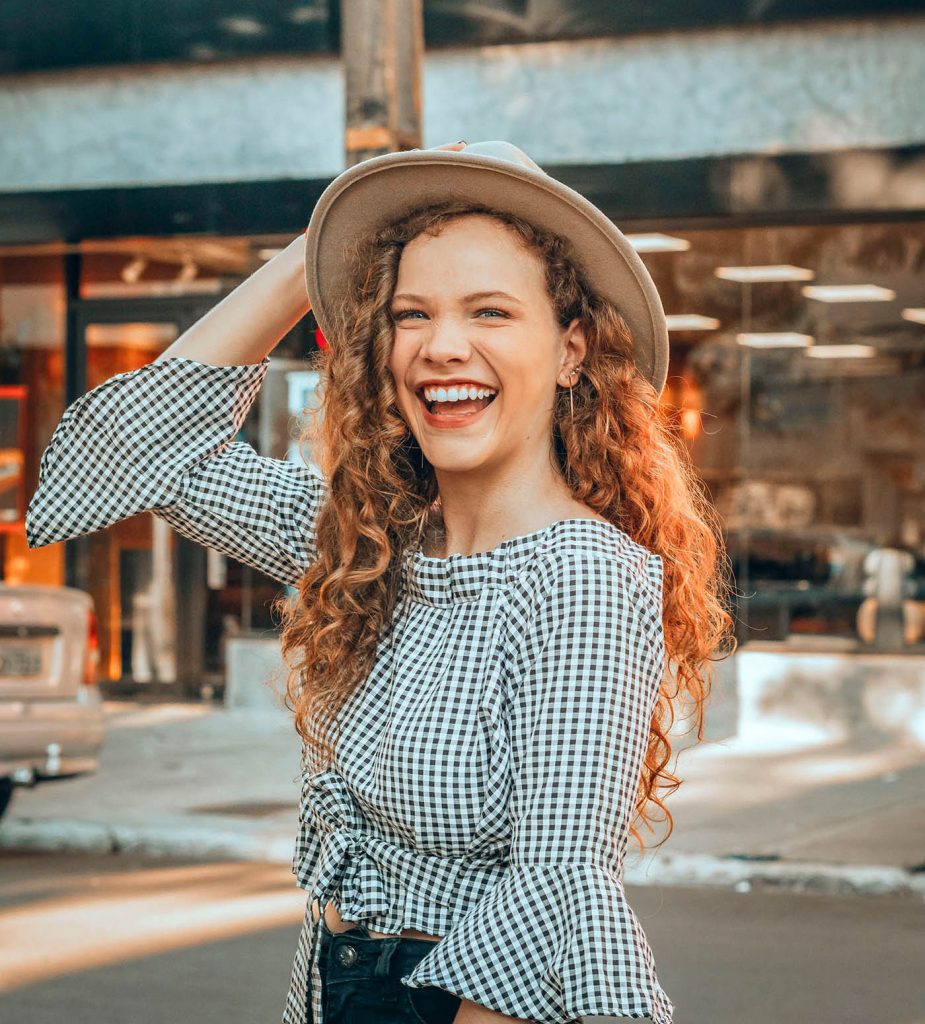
250, 321
162, 438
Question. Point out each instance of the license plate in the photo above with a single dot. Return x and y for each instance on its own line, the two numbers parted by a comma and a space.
20, 659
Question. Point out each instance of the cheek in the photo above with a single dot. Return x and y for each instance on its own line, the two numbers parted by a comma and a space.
397, 367
402, 352
527, 395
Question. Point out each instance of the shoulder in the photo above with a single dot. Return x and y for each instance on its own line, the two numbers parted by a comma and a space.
592, 592
587, 548
589, 563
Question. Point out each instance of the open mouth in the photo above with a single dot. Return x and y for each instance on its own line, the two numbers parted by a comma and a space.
455, 410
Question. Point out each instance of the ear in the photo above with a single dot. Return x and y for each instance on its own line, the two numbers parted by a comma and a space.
574, 349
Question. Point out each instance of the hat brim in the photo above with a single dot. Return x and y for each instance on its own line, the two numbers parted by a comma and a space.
379, 190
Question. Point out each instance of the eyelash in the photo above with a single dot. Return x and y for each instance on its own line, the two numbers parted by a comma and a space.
401, 314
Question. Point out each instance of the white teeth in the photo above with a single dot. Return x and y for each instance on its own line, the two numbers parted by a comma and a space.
456, 393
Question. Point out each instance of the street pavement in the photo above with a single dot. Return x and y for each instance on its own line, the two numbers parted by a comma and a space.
90, 938
200, 780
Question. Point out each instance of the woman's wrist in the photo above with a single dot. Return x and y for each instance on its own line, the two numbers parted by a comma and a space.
251, 320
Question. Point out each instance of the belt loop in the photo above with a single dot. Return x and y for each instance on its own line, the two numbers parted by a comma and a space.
385, 957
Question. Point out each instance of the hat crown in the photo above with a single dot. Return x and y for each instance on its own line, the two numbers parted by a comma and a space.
499, 149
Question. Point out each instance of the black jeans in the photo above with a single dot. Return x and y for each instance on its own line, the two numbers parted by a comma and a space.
360, 980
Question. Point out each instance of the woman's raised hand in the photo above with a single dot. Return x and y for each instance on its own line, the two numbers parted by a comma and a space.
300, 242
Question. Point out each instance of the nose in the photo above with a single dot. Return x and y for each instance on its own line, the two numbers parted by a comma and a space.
445, 342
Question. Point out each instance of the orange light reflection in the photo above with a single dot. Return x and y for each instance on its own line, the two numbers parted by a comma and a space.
141, 913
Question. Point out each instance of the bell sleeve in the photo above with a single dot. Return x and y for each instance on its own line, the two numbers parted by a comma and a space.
162, 439
556, 939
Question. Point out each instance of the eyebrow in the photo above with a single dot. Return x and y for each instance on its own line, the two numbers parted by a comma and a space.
466, 298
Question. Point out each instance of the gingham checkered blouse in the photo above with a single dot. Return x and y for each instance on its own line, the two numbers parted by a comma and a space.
485, 796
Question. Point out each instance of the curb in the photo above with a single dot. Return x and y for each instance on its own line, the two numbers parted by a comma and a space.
746, 875
194, 842
198, 842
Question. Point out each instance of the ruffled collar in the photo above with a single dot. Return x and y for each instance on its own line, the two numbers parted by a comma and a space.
457, 578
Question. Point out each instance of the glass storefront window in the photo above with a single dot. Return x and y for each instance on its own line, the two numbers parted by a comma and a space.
800, 395
13, 401
165, 606
32, 309
802, 410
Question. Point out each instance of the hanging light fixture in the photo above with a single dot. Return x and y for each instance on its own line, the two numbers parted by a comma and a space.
691, 322
780, 339
849, 293
846, 351
764, 274
656, 241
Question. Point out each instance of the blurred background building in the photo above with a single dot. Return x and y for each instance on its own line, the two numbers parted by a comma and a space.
766, 157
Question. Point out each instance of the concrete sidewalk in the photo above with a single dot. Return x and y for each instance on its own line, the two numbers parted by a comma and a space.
200, 780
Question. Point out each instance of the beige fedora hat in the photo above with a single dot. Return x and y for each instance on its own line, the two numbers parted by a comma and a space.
377, 191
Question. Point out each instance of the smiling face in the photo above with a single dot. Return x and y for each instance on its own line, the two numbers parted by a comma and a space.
454, 327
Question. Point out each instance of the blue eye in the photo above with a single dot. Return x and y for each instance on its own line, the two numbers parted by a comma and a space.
401, 314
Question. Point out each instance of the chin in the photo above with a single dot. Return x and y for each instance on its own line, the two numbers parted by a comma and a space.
446, 463
460, 454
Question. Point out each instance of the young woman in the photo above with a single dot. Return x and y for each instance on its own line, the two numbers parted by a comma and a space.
507, 577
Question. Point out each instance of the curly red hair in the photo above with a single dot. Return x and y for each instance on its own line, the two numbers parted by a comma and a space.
620, 452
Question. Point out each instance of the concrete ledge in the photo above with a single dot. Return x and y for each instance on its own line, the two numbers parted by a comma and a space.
849, 83
830, 697
791, 876
194, 840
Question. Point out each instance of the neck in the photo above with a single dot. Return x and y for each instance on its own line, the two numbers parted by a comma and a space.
481, 509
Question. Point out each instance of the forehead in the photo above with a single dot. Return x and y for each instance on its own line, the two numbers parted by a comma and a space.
473, 251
